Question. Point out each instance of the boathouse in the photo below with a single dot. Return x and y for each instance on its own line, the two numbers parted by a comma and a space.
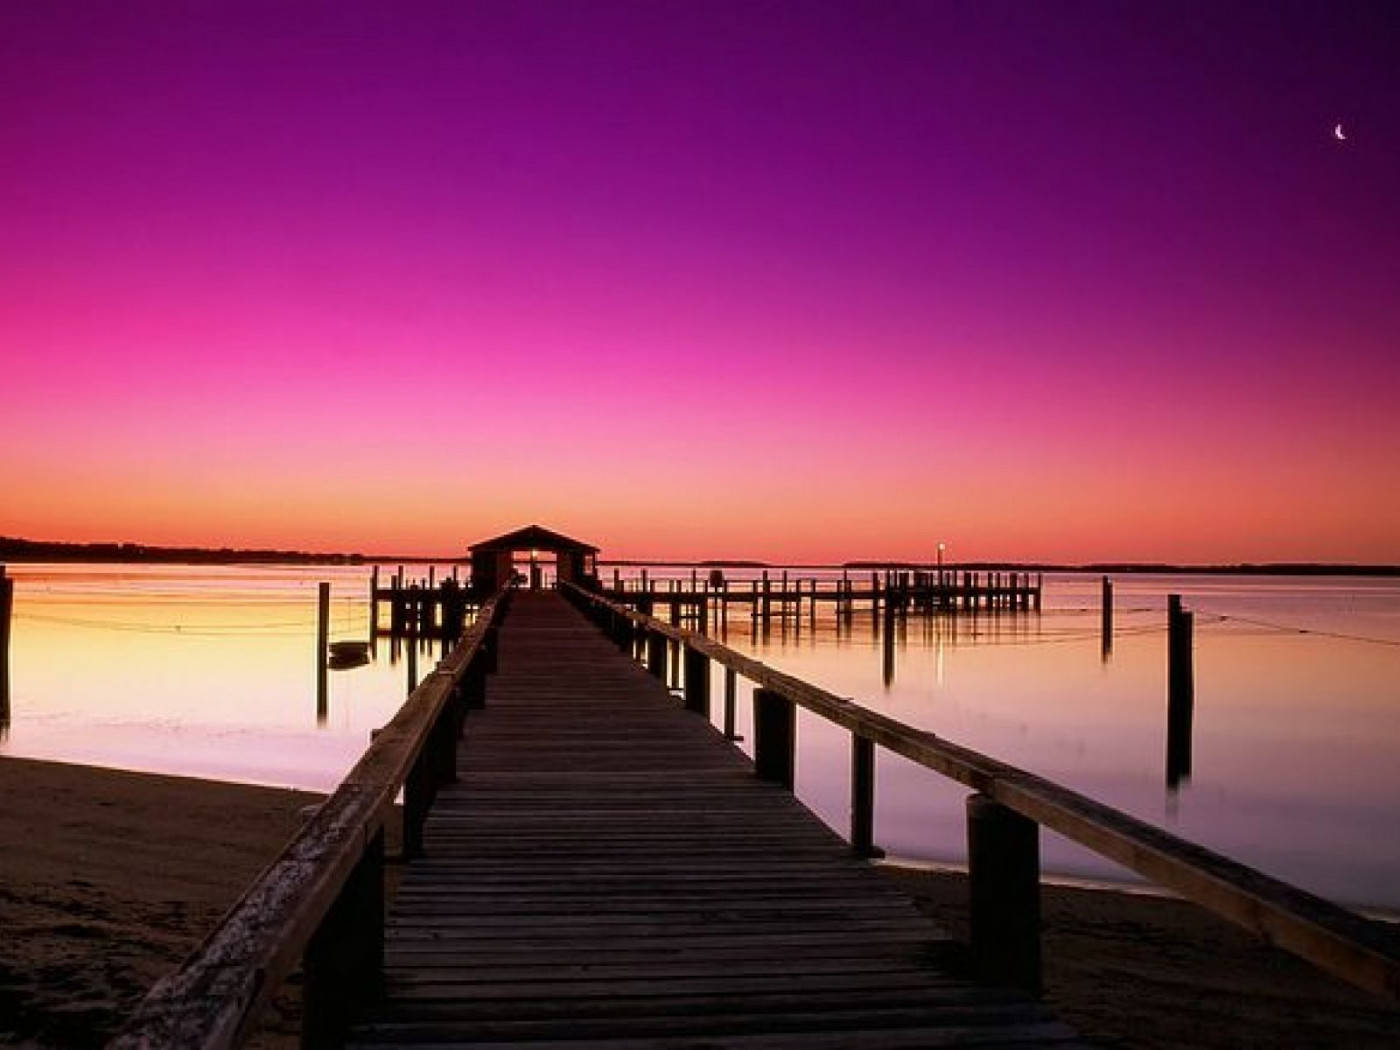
493, 561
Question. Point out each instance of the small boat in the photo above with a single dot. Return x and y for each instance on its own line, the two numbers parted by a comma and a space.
348, 654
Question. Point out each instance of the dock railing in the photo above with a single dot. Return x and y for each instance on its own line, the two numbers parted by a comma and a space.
320, 904
1004, 815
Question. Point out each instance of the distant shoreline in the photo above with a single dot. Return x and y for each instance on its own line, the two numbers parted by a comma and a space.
22, 550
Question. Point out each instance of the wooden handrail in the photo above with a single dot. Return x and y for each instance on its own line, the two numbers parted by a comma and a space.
1348, 945
215, 996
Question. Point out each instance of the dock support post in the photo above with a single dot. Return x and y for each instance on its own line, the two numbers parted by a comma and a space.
7, 604
863, 796
1181, 691
730, 683
774, 737
656, 654
343, 962
697, 682
1106, 605
323, 617
412, 652
1003, 861
373, 599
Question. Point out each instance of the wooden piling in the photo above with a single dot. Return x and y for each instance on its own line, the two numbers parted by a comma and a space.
862, 795
411, 644
1181, 691
7, 604
1106, 607
1003, 862
774, 737
730, 688
323, 625
697, 682
656, 654
343, 963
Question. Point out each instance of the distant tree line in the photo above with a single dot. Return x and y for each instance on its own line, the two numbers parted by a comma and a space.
14, 549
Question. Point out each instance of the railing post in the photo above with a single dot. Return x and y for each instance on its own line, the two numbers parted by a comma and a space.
697, 682
774, 737
729, 690
344, 961
1003, 862
656, 654
474, 685
863, 796
417, 797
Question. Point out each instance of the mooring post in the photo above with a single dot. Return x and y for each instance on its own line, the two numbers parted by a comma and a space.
1181, 690
730, 684
656, 654
7, 604
1106, 606
373, 599
323, 618
767, 598
774, 737
1003, 862
343, 963
863, 796
697, 682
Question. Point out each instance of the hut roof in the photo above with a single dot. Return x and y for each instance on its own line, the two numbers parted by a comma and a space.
535, 537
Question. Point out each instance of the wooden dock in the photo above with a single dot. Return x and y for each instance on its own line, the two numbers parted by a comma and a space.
608, 871
602, 868
428, 607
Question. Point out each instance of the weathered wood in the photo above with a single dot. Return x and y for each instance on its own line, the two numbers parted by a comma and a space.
7, 602
774, 737
323, 620
730, 689
608, 867
862, 795
1106, 617
697, 682
213, 999
1003, 863
1349, 946
657, 644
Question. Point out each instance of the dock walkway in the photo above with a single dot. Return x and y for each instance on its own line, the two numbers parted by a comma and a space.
608, 871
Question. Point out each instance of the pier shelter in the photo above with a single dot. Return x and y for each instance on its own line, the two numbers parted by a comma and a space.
493, 560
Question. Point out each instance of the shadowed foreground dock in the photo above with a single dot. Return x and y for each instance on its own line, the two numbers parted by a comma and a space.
609, 871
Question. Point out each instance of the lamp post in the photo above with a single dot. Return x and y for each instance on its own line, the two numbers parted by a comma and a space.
940, 565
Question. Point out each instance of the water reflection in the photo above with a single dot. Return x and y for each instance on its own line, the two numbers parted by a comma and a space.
1286, 754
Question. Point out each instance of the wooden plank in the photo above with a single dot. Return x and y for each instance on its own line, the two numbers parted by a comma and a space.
609, 868
1348, 945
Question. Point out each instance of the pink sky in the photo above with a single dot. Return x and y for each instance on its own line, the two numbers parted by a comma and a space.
808, 282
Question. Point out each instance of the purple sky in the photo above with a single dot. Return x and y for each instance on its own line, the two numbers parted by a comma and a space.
808, 280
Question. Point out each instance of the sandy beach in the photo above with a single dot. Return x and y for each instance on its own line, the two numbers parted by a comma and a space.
111, 878
1152, 973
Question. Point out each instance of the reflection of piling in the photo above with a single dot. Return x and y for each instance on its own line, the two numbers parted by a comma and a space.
323, 624
7, 603
889, 644
411, 650
1181, 691
1106, 603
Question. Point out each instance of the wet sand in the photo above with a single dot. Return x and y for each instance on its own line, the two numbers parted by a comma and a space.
108, 879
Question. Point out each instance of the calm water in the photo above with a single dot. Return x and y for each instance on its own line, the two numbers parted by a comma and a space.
1296, 764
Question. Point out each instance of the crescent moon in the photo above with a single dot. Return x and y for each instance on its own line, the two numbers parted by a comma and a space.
1339, 133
